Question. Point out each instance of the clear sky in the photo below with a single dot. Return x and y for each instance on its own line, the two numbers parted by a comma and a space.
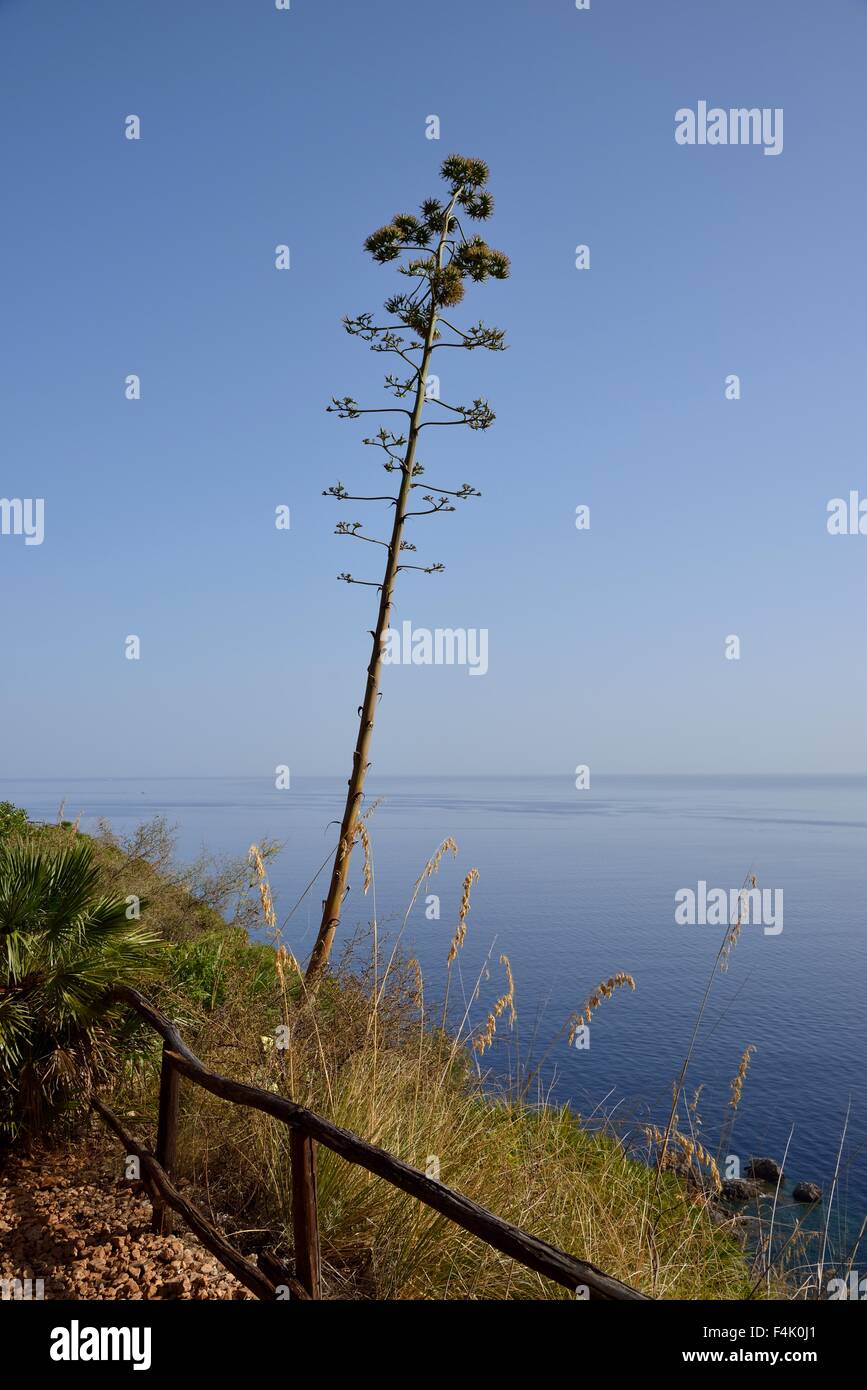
308, 127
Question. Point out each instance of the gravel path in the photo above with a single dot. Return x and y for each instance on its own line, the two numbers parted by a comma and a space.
67, 1218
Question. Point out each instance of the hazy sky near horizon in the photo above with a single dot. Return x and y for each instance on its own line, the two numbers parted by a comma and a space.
308, 127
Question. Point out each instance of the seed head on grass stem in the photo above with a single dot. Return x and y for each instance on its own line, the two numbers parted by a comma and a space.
264, 887
505, 1001
431, 867
602, 991
737, 1084
364, 837
692, 1150
732, 937
461, 928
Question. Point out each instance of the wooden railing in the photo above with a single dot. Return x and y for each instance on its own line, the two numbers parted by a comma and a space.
270, 1278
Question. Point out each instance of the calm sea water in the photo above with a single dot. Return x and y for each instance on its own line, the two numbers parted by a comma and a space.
575, 886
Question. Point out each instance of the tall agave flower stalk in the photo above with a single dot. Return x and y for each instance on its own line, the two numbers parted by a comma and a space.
438, 254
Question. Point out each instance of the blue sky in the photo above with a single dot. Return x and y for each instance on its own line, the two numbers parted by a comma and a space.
156, 257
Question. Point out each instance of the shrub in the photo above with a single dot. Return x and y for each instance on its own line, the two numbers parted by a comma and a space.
62, 945
13, 821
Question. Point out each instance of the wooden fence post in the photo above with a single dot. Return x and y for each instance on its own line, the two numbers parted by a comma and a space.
167, 1137
305, 1221
306, 1130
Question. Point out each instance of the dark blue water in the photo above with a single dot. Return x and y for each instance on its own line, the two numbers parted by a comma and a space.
575, 886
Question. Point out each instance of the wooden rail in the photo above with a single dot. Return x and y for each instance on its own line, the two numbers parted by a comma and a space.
306, 1131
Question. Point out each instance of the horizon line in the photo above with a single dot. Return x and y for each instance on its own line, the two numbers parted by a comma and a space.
398, 776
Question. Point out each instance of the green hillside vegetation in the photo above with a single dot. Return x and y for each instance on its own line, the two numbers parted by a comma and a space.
366, 1053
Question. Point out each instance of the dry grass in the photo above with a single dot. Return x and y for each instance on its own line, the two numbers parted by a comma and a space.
364, 1053
461, 928
740, 1077
505, 1001
416, 1096
605, 990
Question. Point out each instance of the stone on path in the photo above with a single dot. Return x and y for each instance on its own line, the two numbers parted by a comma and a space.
68, 1217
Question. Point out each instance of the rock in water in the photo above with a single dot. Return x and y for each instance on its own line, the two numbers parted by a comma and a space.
766, 1169
807, 1192
739, 1190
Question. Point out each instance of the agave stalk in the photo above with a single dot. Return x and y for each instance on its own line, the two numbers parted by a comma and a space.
441, 274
